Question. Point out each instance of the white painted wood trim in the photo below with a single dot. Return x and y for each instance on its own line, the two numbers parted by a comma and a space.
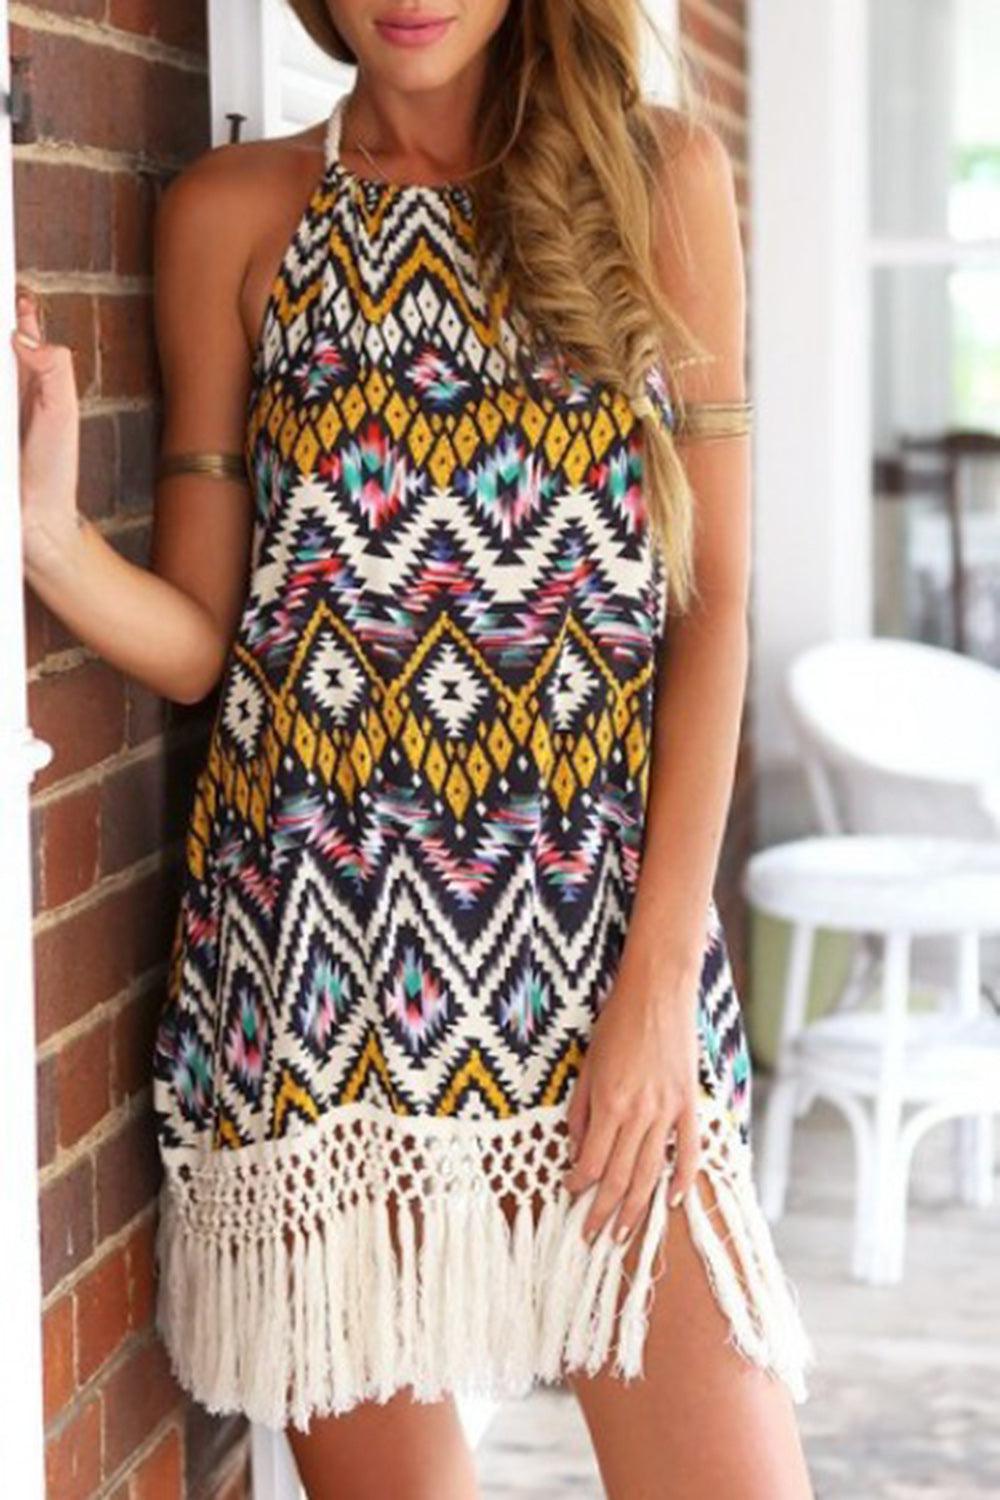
811, 345
886, 250
236, 51
22, 1440
659, 81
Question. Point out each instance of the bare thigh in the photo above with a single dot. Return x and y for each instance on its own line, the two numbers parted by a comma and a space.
406, 1449
702, 1421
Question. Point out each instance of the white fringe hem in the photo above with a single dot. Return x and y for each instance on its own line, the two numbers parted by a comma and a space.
282, 1295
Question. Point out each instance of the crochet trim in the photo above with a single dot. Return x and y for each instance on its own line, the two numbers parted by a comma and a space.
283, 1295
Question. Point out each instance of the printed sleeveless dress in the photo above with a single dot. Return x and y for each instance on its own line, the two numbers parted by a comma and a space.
410, 858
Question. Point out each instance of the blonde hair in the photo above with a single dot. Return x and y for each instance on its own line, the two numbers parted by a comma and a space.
567, 205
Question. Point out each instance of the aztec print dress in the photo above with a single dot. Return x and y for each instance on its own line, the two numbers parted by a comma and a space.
410, 858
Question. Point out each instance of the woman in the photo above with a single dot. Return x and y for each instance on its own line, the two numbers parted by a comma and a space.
451, 1083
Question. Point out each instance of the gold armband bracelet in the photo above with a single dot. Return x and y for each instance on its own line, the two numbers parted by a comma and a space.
715, 419
215, 465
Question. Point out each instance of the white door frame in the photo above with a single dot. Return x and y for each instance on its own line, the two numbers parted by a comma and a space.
22, 1433
810, 345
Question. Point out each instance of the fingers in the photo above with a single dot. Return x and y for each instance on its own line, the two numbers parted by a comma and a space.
28, 319
624, 1150
48, 366
649, 1162
620, 1180
688, 1152
579, 1104
599, 1137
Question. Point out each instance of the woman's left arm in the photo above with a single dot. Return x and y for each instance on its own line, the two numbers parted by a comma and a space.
639, 1077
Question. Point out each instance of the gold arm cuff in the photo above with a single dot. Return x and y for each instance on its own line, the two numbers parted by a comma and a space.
214, 465
714, 419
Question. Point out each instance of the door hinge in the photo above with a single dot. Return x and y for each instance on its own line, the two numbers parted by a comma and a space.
16, 101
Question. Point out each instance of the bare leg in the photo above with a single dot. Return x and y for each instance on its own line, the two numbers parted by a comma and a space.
406, 1449
701, 1422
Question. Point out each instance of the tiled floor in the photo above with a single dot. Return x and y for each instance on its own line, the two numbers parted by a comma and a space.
905, 1401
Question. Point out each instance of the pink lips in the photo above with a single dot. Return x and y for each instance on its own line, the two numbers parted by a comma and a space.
413, 31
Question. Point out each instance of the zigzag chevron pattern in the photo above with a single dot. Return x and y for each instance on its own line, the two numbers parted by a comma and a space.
414, 843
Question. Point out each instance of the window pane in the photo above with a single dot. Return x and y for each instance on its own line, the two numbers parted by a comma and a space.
936, 428
935, 119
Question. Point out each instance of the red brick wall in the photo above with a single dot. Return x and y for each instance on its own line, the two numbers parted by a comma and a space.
119, 96
714, 41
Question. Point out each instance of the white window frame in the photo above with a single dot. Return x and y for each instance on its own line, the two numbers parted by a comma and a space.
22, 1433
813, 262
810, 356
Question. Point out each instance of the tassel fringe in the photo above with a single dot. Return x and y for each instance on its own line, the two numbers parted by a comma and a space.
302, 1276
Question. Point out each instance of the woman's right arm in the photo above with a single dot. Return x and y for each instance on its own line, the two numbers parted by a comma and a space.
168, 625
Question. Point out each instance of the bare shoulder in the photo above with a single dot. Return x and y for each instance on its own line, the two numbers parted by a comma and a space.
699, 249
695, 160
235, 185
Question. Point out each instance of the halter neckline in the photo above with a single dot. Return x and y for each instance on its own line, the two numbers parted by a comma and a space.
331, 152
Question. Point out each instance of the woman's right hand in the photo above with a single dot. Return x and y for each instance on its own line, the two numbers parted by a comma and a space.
49, 429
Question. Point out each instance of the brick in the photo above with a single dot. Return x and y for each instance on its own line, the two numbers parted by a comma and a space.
58, 1357
79, 961
181, 24
36, 824
83, 1074
160, 1476
45, 1085
70, 845
145, 804
133, 541
112, 99
73, 1456
132, 1034
132, 812
128, 362
68, 318
139, 1393
81, 712
66, 1210
140, 1255
35, 626
699, 26
138, 444
63, 219
102, 1313
238, 1485
134, 199
147, 714
96, 493
89, 956
208, 1443
127, 1173
723, 91
90, 10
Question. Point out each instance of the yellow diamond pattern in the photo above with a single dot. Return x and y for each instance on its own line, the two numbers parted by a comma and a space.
396, 414
329, 426
419, 439
556, 439
442, 461
353, 406
564, 783
306, 450
457, 791
577, 459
